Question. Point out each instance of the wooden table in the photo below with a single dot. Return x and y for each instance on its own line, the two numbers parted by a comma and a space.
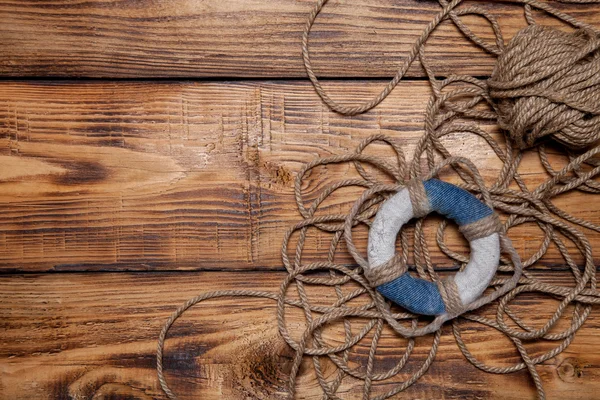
147, 154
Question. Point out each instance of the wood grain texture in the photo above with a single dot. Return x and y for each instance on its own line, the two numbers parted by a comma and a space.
168, 176
72, 336
195, 175
232, 38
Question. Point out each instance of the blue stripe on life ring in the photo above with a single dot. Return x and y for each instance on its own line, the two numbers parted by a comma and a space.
416, 295
454, 202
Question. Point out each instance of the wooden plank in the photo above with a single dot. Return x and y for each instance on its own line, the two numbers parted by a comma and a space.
194, 176
85, 335
232, 38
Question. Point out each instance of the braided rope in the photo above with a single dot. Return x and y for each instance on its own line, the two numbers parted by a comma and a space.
449, 292
386, 272
458, 105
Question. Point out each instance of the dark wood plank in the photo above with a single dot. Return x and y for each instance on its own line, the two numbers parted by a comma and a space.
232, 38
193, 176
94, 336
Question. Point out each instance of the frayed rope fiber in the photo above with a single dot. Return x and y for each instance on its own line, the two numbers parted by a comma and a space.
544, 87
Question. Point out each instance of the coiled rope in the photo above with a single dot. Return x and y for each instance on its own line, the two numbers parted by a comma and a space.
545, 85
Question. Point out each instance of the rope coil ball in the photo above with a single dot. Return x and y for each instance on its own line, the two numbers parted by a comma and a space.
545, 84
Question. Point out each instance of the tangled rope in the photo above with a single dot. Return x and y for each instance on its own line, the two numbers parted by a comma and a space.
547, 82
531, 96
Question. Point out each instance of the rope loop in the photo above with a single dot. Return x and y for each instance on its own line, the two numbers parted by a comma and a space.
565, 104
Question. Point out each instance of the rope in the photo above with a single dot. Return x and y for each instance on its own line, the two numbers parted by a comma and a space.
562, 95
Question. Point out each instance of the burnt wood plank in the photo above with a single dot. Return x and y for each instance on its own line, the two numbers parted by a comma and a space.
180, 175
232, 38
94, 336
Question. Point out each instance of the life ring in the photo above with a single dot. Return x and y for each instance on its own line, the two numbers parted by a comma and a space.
478, 223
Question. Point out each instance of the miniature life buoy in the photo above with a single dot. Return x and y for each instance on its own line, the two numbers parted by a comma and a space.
478, 223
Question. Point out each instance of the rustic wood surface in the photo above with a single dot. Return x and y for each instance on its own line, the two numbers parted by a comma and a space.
189, 183
232, 38
194, 175
78, 335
